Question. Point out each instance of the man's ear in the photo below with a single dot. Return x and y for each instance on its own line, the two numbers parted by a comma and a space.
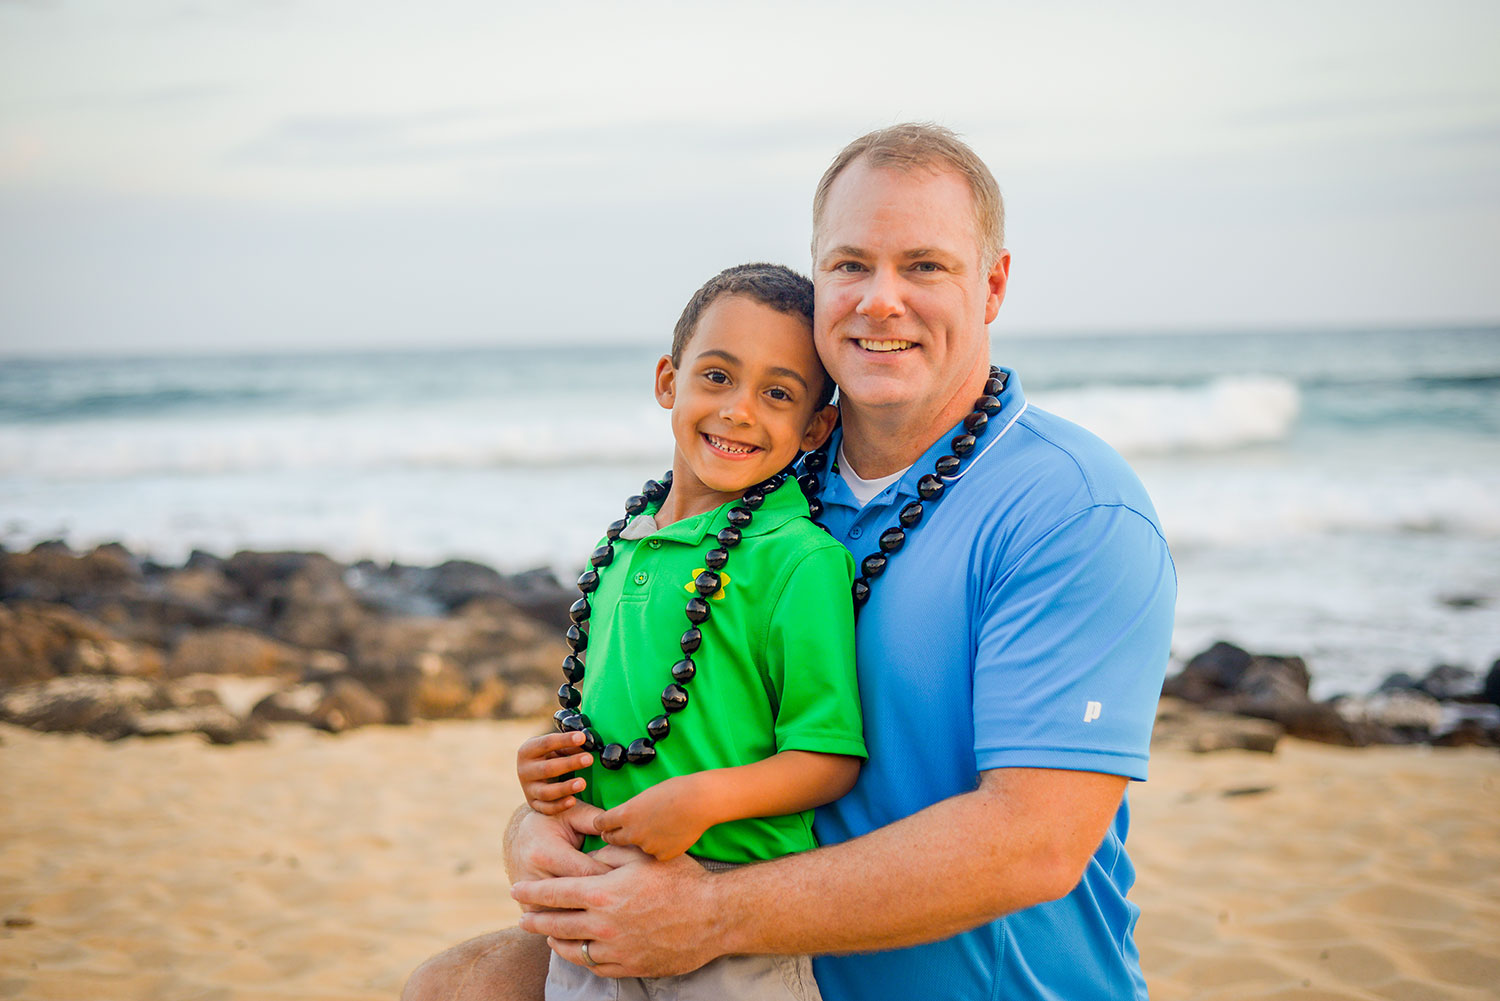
998, 278
820, 427
666, 382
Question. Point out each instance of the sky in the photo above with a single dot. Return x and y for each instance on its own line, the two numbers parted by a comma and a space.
250, 175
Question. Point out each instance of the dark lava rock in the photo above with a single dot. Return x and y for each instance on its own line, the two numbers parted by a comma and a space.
1491, 690
1447, 682
457, 582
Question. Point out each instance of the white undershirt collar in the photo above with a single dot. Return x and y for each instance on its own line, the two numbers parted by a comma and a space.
864, 490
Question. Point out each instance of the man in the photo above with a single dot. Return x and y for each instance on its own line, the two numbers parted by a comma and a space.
1010, 656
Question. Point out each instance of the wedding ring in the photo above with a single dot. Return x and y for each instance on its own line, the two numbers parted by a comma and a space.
587, 958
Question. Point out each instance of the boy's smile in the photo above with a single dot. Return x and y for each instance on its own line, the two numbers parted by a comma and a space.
744, 402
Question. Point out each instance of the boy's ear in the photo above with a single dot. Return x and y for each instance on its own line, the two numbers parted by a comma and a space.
820, 427
666, 382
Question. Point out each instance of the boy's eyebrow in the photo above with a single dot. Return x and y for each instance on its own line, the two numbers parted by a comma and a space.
785, 373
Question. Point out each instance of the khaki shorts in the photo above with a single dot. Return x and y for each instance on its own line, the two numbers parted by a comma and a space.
728, 978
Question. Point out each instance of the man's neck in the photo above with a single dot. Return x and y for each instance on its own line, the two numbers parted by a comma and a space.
879, 441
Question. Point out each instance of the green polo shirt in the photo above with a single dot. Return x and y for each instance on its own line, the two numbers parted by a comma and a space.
775, 669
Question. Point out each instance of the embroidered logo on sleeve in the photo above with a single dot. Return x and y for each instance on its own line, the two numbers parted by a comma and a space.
1091, 711
692, 588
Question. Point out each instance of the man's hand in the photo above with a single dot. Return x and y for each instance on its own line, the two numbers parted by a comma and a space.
664, 820
644, 919
540, 760
538, 846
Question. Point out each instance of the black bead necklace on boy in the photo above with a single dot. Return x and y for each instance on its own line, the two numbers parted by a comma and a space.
674, 697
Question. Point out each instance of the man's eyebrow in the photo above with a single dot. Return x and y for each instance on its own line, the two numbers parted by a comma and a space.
920, 252
844, 250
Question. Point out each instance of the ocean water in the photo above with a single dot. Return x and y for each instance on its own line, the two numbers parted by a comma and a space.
1332, 494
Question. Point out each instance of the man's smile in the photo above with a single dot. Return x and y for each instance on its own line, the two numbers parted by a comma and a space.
730, 447
883, 345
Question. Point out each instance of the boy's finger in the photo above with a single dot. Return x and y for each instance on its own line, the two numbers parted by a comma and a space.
548, 743
537, 769
554, 790
552, 809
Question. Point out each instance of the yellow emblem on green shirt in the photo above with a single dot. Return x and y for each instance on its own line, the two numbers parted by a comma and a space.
718, 595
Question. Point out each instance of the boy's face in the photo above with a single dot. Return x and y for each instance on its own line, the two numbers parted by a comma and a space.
744, 398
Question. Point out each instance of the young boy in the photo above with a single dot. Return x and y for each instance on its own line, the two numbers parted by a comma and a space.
751, 616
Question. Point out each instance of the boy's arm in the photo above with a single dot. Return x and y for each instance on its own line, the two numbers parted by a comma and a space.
668, 818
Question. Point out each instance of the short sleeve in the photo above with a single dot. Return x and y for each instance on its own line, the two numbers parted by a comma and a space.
1072, 646
809, 657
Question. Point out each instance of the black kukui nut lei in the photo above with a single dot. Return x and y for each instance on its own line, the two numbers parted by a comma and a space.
930, 488
674, 698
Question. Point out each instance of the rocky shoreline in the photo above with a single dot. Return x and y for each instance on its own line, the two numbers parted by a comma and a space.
108, 643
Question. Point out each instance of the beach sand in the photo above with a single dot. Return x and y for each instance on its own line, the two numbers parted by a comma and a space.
325, 868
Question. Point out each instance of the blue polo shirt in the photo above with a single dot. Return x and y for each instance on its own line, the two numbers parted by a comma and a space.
1026, 623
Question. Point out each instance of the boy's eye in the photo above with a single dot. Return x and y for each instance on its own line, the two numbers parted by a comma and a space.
714, 375
777, 393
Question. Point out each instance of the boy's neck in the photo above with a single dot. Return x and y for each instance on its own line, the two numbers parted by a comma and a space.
688, 498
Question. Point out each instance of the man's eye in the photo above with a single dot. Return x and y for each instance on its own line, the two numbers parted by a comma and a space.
848, 267
927, 266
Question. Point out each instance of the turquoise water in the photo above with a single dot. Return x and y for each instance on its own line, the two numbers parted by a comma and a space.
1324, 493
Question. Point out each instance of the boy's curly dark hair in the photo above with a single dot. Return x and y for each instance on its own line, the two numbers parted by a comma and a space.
773, 285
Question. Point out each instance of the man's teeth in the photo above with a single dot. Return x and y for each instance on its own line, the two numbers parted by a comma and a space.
730, 446
884, 345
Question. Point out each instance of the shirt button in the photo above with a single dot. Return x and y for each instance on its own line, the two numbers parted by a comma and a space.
640, 578
856, 532
654, 543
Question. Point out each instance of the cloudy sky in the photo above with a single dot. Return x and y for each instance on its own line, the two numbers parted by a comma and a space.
279, 174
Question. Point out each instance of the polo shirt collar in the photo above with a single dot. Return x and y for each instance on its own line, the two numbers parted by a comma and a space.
781, 506
1012, 404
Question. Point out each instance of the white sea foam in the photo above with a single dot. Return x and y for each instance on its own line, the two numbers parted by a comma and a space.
356, 442
1226, 413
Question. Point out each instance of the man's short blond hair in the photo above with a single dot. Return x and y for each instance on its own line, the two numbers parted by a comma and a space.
913, 145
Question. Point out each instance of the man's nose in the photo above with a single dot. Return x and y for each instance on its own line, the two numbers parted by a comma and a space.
882, 295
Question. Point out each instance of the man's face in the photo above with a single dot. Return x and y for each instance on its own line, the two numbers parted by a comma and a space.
903, 295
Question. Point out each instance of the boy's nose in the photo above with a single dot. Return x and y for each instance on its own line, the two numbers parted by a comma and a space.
736, 409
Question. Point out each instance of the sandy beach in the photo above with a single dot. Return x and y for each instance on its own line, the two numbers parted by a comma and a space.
324, 868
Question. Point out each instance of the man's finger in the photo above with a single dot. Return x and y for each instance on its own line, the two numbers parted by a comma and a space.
572, 864
567, 924
573, 953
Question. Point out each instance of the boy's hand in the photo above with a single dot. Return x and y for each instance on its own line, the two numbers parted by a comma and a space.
664, 820
541, 759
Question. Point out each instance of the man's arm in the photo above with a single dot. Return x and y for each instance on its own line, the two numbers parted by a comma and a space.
1024, 836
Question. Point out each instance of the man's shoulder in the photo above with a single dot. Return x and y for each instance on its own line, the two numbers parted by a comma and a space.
1062, 466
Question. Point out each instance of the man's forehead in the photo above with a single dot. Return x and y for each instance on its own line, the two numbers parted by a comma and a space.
866, 197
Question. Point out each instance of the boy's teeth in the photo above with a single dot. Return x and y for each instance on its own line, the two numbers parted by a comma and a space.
884, 345
729, 446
